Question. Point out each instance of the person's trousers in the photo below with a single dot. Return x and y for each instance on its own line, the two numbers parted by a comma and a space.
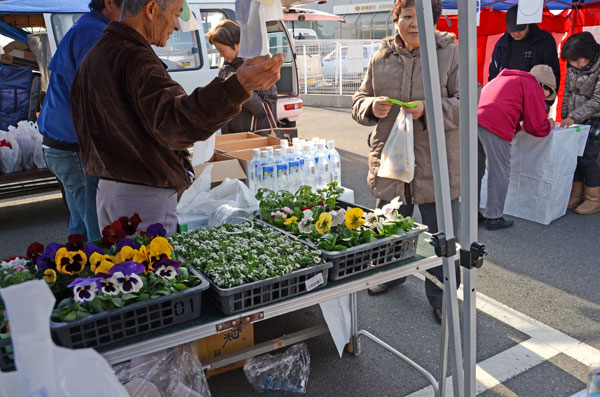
588, 170
152, 204
79, 189
497, 153
429, 218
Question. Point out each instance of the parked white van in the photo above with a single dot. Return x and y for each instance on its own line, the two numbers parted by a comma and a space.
193, 62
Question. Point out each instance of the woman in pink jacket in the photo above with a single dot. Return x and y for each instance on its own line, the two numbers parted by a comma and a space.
512, 101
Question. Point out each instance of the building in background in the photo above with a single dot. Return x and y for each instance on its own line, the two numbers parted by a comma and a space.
367, 21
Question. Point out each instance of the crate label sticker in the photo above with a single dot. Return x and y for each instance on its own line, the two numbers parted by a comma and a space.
314, 282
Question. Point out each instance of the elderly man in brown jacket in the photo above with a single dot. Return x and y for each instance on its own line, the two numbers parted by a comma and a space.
134, 123
395, 71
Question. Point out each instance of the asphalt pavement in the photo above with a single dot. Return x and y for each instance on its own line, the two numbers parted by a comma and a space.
538, 323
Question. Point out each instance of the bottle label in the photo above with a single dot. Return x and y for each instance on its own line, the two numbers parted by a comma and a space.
282, 170
293, 167
267, 172
301, 162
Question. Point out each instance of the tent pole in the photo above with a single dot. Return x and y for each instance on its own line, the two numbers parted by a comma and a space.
439, 162
469, 205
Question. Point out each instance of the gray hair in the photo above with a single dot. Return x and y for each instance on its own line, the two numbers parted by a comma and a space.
133, 7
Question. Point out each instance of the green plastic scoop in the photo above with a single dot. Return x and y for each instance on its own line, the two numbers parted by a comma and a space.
405, 104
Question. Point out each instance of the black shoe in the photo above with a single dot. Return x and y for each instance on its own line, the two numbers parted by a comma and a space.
481, 218
385, 287
437, 313
498, 223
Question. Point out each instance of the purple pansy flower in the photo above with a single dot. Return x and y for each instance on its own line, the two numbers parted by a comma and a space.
156, 229
125, 276
43, 261
109, 287
90, 248
84, 289
127, 241
166, 268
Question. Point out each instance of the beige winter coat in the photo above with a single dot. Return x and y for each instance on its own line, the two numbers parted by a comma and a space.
396, 73
581, 99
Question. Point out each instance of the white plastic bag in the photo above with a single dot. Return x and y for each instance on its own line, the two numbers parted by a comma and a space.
398, 156
44, 369
203, 151
10, 157
30, 142
199, 199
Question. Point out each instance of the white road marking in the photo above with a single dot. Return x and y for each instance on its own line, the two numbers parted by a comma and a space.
34, 198
545, 343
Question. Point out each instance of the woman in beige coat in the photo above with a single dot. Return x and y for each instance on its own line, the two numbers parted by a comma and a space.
395, 71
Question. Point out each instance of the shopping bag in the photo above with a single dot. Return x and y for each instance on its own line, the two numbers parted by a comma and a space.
10, 153
273, 130
398, 156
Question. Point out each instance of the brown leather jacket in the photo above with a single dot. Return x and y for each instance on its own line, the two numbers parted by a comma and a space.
396, 72
133, 122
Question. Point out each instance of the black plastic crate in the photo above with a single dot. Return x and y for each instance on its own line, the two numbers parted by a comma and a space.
259, 293
132, 320
7, 362
364, 257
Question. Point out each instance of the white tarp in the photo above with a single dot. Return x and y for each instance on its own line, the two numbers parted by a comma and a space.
541, 174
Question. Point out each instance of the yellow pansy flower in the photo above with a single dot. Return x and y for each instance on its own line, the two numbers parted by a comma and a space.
70, 262
50, 276
324, 223
126, 254
98, 260
354, 218
290, 220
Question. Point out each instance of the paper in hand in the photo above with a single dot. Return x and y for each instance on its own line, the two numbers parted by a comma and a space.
252, 16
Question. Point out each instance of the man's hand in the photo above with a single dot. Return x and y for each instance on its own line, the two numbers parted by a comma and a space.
381, 107
417, 112
260, 73
552, 123
566, 123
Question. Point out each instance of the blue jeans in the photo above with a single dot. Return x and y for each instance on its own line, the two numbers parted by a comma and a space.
80, 191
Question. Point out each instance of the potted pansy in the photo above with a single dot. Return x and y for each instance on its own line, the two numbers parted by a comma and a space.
319, 219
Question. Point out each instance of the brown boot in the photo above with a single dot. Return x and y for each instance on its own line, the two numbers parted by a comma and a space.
576, 195
591, 203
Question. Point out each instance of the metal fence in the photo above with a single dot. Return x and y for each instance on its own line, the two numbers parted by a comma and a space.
333, 66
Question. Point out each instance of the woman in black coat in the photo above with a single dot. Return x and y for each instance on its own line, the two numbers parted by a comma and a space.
226, 39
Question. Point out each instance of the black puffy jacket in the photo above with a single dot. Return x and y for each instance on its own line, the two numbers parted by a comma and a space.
253, 107
543, 47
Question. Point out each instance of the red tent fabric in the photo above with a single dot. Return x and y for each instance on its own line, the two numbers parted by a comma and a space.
492, 25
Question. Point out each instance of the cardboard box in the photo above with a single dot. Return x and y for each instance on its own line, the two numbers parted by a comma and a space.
223, 167
263, 141
245, 156
224, 343
237, 136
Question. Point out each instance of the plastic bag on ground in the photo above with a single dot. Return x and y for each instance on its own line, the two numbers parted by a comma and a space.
30, 141
10, 153
172, 372
398, 155
286, 371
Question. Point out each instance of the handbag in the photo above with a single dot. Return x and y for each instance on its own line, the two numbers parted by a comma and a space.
398, 155
273, 130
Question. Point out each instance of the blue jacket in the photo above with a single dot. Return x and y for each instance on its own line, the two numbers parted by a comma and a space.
55, 117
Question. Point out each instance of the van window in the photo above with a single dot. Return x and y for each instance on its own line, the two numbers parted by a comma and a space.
182, 51
61, 23
209, 19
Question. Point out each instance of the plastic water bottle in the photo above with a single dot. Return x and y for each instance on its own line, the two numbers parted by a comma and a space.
308, 168
284, 144
253, 172
295, 141
267, 170
323, 173
335, 163
293, 170
281, 171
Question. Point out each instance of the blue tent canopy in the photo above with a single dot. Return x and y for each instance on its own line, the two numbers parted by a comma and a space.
506, 4
41, 6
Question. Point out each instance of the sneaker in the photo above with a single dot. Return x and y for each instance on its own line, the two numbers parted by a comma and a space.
498, 223
480, 218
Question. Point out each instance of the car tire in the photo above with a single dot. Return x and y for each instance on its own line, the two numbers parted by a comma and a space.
285, 123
